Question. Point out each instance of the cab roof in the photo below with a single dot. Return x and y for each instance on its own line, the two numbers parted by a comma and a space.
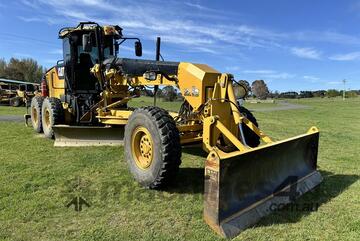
113, 30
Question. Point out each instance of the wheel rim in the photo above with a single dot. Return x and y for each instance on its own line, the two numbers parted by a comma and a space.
142, 147
34, 115
47, 117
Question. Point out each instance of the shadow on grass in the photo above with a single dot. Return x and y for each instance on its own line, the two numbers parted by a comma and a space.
332, 186
190, 180
195, 150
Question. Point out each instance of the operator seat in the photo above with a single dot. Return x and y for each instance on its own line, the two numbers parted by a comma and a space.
85, 80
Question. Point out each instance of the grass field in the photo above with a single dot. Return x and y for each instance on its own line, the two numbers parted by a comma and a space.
38, 180
9, 110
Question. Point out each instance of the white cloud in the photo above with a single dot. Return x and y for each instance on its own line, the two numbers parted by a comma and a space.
199, 35
190, 31
261, 71
56, 51
324, 36
282, 75
197, 6
311, 78
334, 82
269, 74
346, 57
30, 19
307, 53
232, 68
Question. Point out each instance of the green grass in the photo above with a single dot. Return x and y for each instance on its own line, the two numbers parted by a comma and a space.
9, 110
37, 180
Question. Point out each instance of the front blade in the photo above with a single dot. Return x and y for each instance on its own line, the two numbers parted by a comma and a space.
88, 136
239, 190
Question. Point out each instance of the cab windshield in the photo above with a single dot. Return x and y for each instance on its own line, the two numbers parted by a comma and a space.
94, 53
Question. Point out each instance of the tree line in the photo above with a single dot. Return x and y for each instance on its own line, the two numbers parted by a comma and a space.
21, 69
260, 90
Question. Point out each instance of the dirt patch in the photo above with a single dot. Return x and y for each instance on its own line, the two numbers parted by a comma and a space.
17, 118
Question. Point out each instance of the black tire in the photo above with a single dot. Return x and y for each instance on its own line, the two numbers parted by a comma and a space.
52, 114
16, 101
166, 147
251, 138
35, 112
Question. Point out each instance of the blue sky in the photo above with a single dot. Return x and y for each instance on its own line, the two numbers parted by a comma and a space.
292, 45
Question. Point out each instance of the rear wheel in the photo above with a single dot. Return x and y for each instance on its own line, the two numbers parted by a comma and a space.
36, 105
152, 147
52, 114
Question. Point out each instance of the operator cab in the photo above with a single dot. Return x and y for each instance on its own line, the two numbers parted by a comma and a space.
80, 56
83, 47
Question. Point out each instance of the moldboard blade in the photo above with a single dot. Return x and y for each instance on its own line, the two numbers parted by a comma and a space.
241, 189
74, 136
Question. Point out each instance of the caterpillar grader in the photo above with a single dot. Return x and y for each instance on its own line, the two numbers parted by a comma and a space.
85, 100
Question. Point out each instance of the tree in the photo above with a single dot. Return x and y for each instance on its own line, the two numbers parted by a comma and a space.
260, 89
333, 93
274, 95
2, 68
169, 93
351, 94
289, 95
306, 94
319, 93
21, 69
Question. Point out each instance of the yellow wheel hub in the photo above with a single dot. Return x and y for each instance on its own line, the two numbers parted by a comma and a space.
47, 117
142, 147
34, 114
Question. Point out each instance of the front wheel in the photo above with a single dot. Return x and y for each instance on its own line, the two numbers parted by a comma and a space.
152, 147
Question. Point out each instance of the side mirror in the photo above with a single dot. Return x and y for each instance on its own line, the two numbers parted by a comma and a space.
138, 48
86, 43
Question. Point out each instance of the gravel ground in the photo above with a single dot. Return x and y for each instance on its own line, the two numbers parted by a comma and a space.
17, 118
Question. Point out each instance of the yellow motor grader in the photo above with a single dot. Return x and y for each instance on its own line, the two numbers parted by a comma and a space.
84, 102
17, 93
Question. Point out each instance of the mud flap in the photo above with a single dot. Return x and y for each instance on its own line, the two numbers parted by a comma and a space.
240, 189
88, 136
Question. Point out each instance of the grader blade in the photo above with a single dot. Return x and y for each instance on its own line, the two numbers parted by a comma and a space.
73, 136
240, 189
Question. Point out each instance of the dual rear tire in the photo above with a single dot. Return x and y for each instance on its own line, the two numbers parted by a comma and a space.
45, 113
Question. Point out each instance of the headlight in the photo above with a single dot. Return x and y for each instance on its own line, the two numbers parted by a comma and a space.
150, 75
